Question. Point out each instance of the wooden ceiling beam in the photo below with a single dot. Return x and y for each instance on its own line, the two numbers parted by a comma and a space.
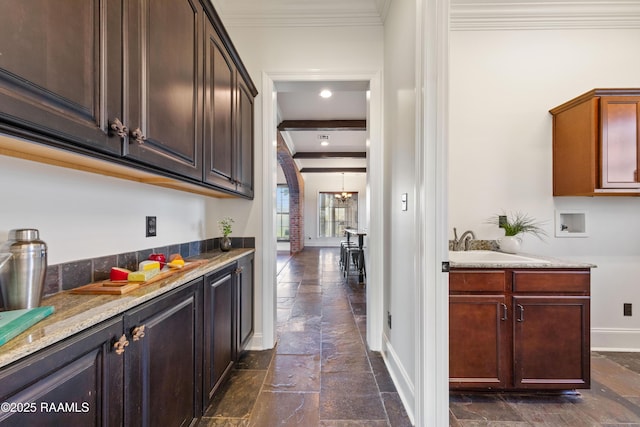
333, 170
323, 125
331, 155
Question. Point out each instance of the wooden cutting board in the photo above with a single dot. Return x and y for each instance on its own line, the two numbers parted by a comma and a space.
122, 287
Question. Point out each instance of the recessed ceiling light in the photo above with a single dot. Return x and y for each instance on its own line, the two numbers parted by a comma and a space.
326, 93
324, 143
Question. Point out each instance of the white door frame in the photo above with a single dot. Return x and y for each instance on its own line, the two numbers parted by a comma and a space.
375, 174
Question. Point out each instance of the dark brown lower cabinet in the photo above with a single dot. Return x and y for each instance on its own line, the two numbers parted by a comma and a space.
77, 382
162, 380
219, 324
157, 364
244, 302
533, 335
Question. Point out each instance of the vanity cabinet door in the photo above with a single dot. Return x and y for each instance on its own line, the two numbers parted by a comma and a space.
60, 72
77, 382
479, 342
551, 342
164, 358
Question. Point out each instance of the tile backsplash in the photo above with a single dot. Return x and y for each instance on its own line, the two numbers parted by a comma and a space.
62, 277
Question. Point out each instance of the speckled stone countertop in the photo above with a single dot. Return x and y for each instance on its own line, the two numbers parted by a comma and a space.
544, 262
76, 313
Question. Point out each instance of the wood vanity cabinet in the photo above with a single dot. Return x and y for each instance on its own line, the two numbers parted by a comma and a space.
519, 329
596, 144
83, 372
60, 72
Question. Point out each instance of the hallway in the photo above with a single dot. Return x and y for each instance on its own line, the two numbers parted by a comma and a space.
320, 373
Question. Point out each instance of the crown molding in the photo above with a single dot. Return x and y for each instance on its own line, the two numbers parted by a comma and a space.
544, 14
313, 13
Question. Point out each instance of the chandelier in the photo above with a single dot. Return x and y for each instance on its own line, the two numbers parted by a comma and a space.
344, 196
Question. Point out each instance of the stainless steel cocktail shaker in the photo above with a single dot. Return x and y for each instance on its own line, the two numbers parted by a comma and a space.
22, 277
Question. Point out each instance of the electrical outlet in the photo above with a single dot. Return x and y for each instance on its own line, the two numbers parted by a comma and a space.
502, 220
151, 224
627, 308
389, 319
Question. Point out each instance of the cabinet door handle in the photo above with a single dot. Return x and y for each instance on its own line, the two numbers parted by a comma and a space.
138, 136
520, 313
504, 311
238, 270
138, 332
119, 128
121, 344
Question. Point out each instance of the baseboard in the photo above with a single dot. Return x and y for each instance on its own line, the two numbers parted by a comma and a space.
256, 343
400, 378
615, 339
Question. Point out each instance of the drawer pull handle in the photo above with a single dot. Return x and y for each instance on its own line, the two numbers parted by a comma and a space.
119, 128
138, 136
521, 313
504, 311
121, 344
138, 332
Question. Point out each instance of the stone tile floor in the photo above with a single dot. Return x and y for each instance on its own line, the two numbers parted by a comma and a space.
321, 372
612, 401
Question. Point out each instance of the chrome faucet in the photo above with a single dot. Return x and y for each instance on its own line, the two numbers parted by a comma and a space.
463, 242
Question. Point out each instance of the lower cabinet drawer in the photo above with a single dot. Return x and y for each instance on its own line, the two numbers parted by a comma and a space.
477, 281
552, 281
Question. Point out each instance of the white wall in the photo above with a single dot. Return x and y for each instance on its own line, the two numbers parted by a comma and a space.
502, 84
400, 177
314, 183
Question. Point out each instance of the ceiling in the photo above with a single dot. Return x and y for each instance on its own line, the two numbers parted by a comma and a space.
300, 100
331, 119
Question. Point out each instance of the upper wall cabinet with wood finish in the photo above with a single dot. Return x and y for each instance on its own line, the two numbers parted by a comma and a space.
596, 144
60, 71
163, 80
135, 83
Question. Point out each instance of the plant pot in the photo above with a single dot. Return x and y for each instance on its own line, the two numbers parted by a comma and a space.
510, 244
225, 244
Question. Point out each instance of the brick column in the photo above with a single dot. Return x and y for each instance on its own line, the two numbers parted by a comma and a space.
296, 196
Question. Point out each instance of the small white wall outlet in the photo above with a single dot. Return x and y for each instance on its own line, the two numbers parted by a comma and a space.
571, 223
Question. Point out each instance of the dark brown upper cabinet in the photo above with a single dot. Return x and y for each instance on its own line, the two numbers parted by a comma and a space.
163, 81
228, 120
596, 144
60, 72
153, 85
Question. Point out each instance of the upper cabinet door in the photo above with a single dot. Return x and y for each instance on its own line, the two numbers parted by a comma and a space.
220, 74
244, 128
163, 82
620, 119
60, 65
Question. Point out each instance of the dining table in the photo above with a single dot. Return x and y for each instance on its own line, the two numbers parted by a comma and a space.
360, 234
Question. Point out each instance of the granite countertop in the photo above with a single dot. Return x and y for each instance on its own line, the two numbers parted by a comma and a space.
76, 313
527, 261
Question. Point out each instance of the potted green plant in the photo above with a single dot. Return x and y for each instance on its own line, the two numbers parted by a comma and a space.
225, 228
515, 225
